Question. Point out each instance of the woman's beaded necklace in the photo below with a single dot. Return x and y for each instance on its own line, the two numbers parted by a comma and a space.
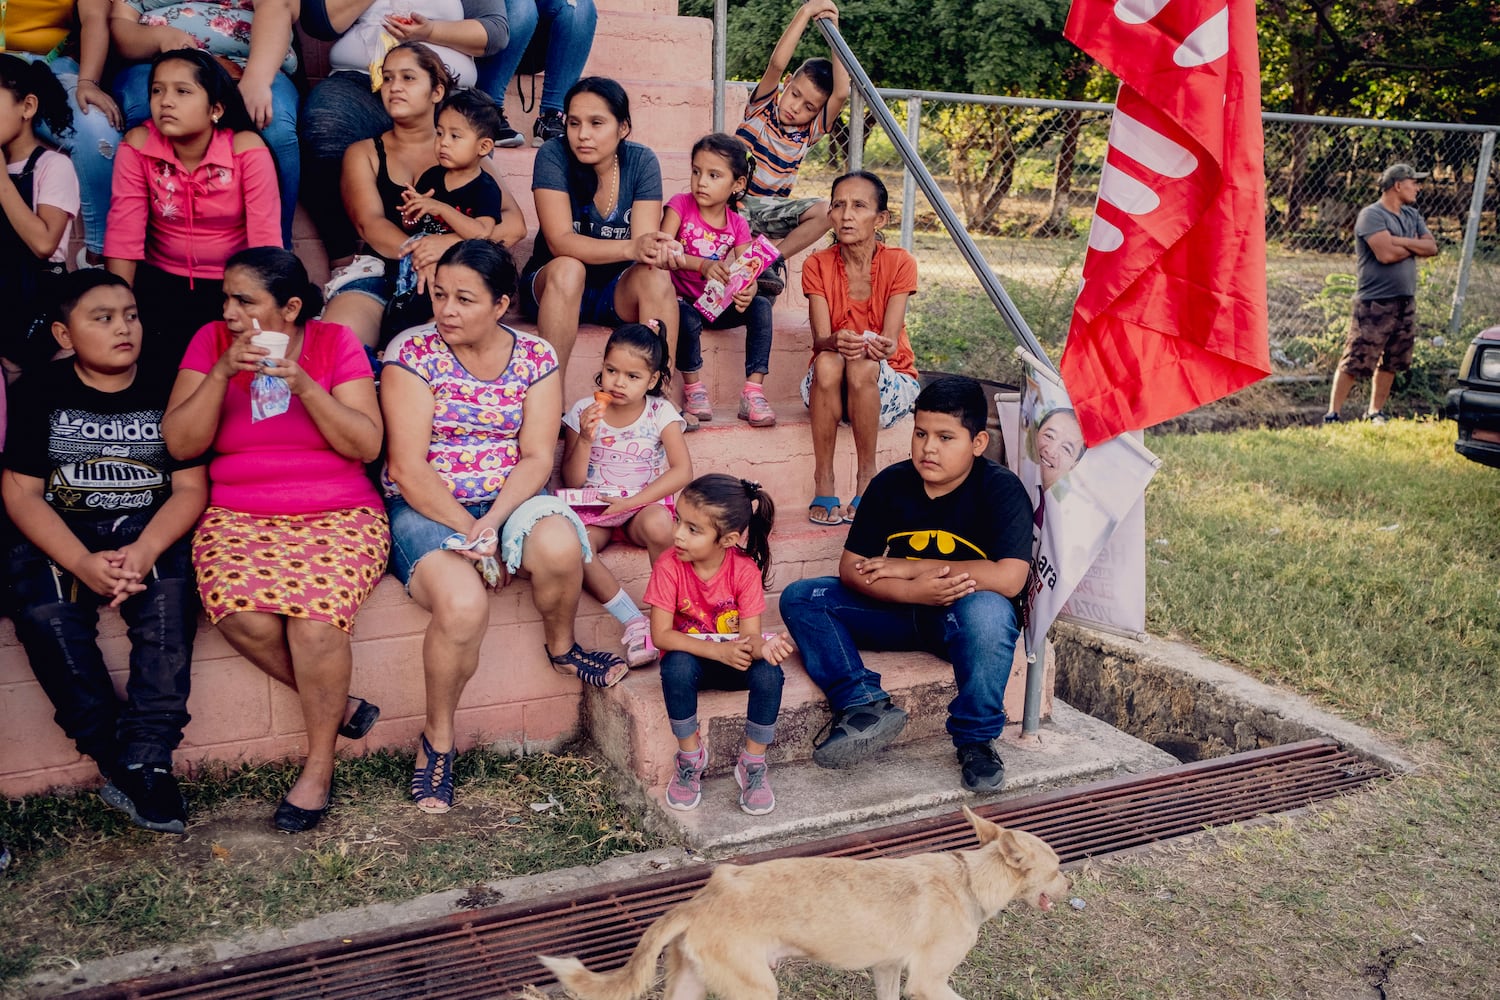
614, 190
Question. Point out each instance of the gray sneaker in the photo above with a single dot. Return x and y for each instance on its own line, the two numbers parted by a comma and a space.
756, 797
858, 731
685, 790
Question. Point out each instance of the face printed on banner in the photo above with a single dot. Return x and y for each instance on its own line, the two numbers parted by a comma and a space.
1059, 445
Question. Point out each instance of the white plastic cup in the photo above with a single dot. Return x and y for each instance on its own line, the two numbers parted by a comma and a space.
272, 341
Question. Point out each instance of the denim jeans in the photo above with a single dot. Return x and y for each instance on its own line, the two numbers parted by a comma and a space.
339, 112
756, 319
977, 634
572, 25
133, 91
92, 145
683, 675
57, 619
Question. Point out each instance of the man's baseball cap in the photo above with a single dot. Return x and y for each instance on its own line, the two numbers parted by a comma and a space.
1397, 172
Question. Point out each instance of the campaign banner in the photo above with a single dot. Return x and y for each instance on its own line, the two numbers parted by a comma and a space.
1081, 497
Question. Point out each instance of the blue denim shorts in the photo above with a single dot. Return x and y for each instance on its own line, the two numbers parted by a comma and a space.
374, 286
597, 305
414, 536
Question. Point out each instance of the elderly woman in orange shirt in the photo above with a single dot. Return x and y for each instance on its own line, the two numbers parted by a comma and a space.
863, 369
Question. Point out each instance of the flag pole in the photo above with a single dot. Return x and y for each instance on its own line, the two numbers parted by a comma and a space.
897, 135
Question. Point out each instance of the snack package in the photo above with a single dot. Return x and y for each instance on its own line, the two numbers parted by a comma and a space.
488, 567
601, 397
269, 397
718, 296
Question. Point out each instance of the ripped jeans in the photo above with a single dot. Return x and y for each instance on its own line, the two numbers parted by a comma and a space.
977, 634
91, 145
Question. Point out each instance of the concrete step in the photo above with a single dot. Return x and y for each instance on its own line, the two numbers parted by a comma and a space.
910, 781
672, 48
515, 700
667, 7
723, 364
629, 721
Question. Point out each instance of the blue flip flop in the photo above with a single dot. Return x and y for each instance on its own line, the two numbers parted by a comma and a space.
828, 504
852, 509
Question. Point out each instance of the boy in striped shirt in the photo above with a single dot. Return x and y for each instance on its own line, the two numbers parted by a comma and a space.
782, 121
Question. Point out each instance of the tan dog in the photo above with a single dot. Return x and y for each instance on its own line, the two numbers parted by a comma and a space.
919, 914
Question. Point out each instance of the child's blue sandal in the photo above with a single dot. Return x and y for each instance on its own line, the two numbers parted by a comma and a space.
434, 780
827, 504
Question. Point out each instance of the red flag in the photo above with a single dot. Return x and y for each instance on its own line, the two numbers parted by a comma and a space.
1172, 312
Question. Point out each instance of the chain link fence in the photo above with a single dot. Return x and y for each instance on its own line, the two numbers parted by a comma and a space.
1023, 176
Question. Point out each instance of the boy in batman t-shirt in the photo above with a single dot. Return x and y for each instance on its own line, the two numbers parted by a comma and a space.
938, 552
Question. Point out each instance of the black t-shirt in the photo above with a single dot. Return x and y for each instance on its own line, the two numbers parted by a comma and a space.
99, 454
478, 199
987, 517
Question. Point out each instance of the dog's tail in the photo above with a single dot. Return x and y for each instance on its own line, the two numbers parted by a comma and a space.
634, 977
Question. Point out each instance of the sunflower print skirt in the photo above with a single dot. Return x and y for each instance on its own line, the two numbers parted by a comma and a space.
316, 566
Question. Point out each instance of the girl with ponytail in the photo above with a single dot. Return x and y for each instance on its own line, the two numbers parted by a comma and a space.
707, 598
38, 201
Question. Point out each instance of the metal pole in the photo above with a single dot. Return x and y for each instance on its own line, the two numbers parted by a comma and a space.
908, 179
981, 268
857, 130
721, 59
1471, 231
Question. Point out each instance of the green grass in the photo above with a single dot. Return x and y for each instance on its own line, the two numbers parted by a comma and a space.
1354, 564
84, 883
1358, 565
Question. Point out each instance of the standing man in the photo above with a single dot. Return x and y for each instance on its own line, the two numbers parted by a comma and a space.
1389, 236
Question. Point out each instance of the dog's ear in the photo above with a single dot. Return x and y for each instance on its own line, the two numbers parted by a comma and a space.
1014, 850
983, 828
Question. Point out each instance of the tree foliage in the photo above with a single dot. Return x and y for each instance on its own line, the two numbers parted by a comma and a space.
1399, 59
1008, 47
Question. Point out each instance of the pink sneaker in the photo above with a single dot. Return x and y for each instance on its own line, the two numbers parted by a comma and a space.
755, 408
639, 649
695, 401
685, 790
756, 797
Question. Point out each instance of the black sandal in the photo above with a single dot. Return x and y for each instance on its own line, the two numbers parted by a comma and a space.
361, 721
434, 780
294, 819
593, 667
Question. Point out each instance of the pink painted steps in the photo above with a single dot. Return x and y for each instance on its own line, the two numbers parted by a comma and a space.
516, 700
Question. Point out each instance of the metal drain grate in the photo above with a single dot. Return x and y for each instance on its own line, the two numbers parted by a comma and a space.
491, 952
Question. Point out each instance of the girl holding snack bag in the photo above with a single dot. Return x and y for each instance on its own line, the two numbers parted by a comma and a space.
707, 224
707, 597
625, 450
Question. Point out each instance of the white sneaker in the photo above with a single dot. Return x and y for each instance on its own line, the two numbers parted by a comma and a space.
639, 649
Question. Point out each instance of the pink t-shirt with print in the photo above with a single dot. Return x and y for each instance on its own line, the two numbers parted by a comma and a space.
712, 606
699, 239
476, 425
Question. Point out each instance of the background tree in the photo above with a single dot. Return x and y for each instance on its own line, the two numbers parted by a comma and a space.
1003, 47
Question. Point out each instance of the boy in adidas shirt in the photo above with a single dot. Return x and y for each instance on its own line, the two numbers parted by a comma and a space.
103, 514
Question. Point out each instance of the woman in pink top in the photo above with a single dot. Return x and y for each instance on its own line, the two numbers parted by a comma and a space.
295, 537
192, 186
